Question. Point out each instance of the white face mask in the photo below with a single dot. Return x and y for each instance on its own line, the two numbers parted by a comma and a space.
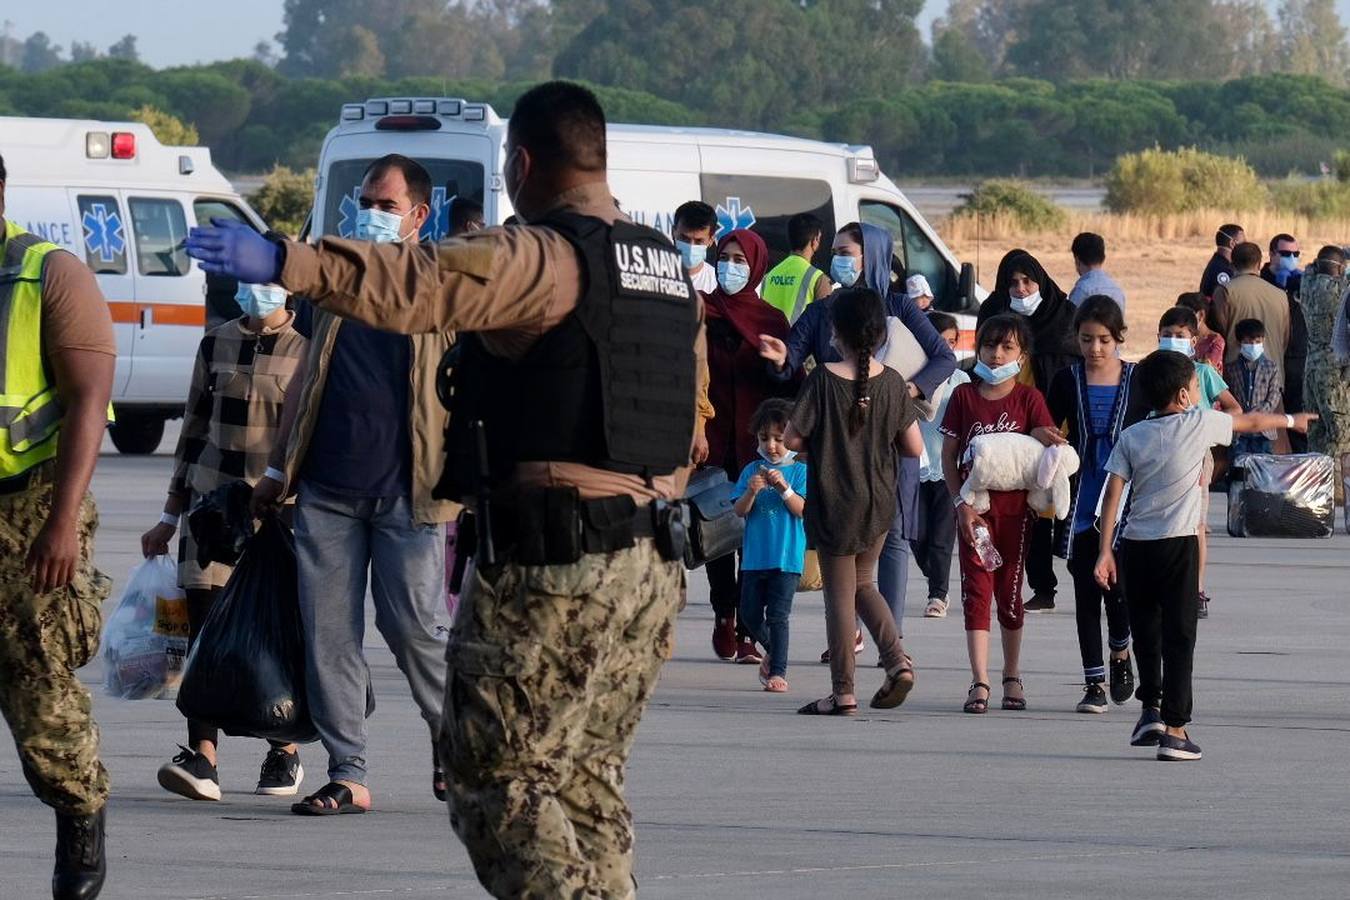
1026, 305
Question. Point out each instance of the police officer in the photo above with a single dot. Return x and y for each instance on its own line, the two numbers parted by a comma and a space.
1219, 271
581, 368
57, 356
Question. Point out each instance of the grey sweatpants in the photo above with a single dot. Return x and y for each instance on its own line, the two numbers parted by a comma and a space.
337, 540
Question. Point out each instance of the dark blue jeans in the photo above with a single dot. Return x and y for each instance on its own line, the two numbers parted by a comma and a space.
766, 603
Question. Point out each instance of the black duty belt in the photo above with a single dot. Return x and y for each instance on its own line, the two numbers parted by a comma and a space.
554, 526
17, 484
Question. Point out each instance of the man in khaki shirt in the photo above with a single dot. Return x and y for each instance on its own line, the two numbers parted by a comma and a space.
551, 663
1248, 296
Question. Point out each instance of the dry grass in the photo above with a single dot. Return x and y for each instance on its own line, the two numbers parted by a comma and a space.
1153, 258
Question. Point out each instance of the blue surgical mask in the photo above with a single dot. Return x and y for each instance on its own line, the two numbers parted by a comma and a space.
258, 301
694, 255
379, 226
999, 375
788, 457
844, 269
1287, 263
1027, 305
733, 277
1252, 352
1177, 344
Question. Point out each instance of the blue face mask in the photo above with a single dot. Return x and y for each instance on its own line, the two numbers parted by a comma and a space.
999, 375
379, 226
733, 277
1252, 352
788, 457
258, 301
844, 269
1287, 263
694, 255
1177, 344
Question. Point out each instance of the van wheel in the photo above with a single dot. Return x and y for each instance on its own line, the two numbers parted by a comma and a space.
136, 435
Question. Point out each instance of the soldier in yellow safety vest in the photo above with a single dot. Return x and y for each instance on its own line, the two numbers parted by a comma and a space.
794, 282
57, 355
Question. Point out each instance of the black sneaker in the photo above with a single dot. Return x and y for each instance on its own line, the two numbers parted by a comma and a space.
1122, 680
190, 775
1148, 729
1094, 699
1177, 749
1040, 603
281, 774
1203, 611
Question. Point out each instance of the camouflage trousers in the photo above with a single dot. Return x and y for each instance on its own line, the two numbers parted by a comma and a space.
44, 638
1326, 391
550, 670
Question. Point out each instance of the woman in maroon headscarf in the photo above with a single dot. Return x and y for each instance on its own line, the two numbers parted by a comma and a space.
739, 382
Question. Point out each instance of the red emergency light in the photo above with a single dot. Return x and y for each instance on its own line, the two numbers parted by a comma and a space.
123, 145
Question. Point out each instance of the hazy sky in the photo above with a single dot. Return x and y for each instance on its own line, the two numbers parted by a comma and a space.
177, 32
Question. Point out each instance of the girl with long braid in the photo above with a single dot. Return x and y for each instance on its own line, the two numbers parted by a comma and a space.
851, 417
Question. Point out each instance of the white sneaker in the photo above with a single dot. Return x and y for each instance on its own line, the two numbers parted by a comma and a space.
936, 608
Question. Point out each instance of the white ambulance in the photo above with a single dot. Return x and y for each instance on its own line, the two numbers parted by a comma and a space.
117, 198
753, 180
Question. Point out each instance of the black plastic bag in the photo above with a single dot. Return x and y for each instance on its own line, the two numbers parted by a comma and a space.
222, 523
246, 673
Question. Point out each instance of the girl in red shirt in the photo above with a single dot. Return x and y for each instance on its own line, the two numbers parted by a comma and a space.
995, 403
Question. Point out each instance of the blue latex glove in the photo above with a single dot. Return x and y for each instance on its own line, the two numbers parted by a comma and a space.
232, 248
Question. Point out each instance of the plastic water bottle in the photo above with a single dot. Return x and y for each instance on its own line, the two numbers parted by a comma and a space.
985, 549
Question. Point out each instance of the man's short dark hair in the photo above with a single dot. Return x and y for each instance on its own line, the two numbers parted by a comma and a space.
1249, 330
695, 215
463, 211
1280, 239
1162, 375
419, 182
1330, 251
803, 228
1246, 256
1227, 234
562, 125
2, 169
942, 321
1089, 249
1104, 311
774, 412
1180, 317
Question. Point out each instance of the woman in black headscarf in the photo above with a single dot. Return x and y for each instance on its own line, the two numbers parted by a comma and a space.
1026, 289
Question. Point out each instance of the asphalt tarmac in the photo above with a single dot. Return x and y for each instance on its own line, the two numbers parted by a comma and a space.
735, 796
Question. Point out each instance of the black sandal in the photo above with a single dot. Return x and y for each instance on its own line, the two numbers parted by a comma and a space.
835, 708
1017, 704
340, 794
438, 785
977, 704
895, 688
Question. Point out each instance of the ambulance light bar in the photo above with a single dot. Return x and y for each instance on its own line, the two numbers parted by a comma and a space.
409, 112
101, 145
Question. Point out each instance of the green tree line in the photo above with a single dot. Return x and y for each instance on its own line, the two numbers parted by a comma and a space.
1007, 87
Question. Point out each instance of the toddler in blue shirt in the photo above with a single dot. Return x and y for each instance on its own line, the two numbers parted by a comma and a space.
770, 496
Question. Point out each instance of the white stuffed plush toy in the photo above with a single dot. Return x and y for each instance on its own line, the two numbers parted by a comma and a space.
1019, 462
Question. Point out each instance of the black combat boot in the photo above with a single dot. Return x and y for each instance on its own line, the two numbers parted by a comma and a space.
80, 862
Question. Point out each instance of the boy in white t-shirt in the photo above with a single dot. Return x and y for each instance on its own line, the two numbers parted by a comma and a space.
694, 230
1161, 459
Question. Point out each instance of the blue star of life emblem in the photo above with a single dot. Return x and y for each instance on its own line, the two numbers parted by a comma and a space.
733, 216
103, 235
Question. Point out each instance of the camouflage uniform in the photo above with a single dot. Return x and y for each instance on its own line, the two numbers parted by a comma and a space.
551, 668
1326, 388
44, 638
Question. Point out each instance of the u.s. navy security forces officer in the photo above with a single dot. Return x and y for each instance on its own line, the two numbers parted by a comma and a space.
57, 354
581, 365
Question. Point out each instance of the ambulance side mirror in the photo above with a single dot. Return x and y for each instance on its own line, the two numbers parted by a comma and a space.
965, 288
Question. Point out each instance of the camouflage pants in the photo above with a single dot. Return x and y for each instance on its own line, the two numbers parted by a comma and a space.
1327, 393
551, 668
44, 638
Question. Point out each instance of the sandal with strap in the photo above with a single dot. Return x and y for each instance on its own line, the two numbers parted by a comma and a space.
1017, 704
896, 687
340, 794
834, 709
439, 787
977, 704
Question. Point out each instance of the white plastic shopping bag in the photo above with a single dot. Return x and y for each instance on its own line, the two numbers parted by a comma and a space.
145, 641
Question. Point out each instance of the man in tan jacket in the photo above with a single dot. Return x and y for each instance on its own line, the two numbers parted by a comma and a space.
1248, 296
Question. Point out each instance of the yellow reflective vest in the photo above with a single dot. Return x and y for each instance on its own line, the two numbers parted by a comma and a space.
791, 285
30, 415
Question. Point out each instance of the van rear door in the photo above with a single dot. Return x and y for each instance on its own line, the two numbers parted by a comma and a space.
170, 294
101, 221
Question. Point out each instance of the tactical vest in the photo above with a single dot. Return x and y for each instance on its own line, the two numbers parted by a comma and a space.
30, 415
612, 386
791, 285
